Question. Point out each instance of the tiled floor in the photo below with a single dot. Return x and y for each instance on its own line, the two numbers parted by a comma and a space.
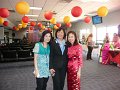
18, 76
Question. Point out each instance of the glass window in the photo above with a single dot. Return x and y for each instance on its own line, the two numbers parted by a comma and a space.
111, 30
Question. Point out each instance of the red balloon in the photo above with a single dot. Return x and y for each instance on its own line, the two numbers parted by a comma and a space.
87, 19
39, 24
31, 28
4, 12
68, 24
25, 19
14, 28
58, 25
5, 23
49, 29
48, 15
76, 11
32, 23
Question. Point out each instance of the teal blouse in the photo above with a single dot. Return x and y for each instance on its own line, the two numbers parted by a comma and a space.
42, 60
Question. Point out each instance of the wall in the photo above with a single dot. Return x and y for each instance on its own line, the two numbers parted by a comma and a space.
1, 34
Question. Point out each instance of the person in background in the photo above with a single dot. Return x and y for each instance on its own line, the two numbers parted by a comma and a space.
75, 62
106, 38
116, 43
58, 59
41, 60
90, 45
105, 51
83, 39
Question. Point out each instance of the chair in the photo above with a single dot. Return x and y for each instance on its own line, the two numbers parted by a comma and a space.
24, 55
9, 55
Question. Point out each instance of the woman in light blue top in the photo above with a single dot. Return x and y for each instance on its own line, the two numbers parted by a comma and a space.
41, 60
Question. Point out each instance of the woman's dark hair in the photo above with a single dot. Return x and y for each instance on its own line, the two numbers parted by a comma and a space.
43, 34
60, 29
76, 40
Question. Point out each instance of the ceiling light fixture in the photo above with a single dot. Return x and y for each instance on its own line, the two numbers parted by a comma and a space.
32, 15
33, 19
35, 8
94, 0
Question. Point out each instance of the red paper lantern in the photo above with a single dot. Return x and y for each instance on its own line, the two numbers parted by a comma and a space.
76, 11
32, 23
25, 19
68, 24
58, 25
5, 23
31, 28
87, 19
14, 28
4, 12
48, 15
49, 29
39, 24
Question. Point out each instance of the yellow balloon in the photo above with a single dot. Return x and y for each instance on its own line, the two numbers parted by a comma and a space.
102, 11
43, 27
24, 26
53, 21
17, 29
24, 23
66, 19
20, 26
22, 7
1, 20
41, 30
55, 27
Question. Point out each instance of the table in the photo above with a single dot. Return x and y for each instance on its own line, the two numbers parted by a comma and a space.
114, 56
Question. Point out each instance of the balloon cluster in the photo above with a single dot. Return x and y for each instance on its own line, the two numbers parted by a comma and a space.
4, 13
23, 8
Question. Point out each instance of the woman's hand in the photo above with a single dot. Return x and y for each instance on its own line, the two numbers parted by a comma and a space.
36, 72
79, 73
52, 71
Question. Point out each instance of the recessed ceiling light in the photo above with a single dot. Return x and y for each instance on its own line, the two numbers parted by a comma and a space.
33, 19
35, 8
32, 15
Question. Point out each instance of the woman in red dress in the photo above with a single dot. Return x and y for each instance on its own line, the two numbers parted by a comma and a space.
74, 61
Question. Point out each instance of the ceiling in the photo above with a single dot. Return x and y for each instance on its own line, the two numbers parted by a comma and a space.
60, 7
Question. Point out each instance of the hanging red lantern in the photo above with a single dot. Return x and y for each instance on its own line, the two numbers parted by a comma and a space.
87, 19
76, 11
14, 28
48, 15
58, 24
4, 12
31, 28
49, 29
68, 24
39, 24
25, 19
5, 23
32, 23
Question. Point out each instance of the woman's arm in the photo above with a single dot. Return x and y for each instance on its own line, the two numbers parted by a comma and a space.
35, 65
80, 62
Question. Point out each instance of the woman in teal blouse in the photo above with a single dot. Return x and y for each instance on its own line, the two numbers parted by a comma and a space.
41, 60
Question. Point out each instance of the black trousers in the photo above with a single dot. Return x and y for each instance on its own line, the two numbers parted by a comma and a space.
59, 79
41, 83
89, 52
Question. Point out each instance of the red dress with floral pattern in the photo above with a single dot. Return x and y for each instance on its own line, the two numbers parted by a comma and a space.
74, 63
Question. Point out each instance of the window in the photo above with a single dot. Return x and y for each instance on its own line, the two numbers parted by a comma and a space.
111, 30
101, 33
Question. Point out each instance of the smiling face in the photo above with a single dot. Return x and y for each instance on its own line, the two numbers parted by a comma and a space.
60, 34
47, 38
71, 38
